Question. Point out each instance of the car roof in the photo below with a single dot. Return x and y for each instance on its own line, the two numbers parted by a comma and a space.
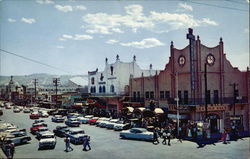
76, 129
47, 133
141, 129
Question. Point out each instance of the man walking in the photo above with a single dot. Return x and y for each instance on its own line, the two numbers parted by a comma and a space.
155, 137
86, 143
164, 135
67, 144
169, 135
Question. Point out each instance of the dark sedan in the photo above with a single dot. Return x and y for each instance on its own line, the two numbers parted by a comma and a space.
60, 131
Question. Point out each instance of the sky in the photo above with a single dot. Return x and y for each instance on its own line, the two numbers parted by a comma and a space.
75, 36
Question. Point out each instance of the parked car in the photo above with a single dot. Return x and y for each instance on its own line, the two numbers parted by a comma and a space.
120, 126
100, 120
61, 131
44, 115
72, 122
38, 121
47, 140
7, 106
137, 133
40, 131
34, 115
16, 110
76, 135
57, 118
103, 123
73, 115
26, 110
111, 123
18, 137
84, 120
93, 120
34, 129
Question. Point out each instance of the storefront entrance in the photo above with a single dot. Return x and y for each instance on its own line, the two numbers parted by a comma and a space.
214, 122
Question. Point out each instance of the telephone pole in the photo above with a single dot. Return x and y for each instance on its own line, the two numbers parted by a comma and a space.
56, 82
206, 100
35, 83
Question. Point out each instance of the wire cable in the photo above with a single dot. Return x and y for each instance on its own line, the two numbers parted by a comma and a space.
35, 61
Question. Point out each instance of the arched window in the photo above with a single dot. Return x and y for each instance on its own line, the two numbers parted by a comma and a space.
91, 90
92, 80
103, 89
112, 89
100, 89
94, 90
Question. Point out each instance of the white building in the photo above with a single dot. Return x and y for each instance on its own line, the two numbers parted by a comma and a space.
115, 77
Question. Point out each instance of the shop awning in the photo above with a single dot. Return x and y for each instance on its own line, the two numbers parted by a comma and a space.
158, 111
130, 109
140, 109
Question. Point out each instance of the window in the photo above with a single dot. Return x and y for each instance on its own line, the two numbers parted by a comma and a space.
134, 95
103, 89
111, 70
179, 96
100, 89
151, 95
112, 89
94, 90
161, 94
101, 77
236, 95
185, 97
147, 95
92, 80
208, 97
216, 97
138, 94
167, 94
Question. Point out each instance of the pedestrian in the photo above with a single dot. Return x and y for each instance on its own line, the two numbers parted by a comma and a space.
164, 136
224, 136
169, 130
67, 144
12, 149
155, 139
86, 143
8, 149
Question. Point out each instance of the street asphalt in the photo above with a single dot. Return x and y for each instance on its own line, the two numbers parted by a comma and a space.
106, 144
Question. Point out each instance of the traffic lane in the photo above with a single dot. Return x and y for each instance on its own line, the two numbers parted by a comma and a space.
106, 144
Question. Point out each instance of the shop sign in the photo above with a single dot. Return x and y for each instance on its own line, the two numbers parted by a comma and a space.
210, 108
181, 107
235, 118
174, 116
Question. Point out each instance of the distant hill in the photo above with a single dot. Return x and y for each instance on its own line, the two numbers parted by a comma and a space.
46, 79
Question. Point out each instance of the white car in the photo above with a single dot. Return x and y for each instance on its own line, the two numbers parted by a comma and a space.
137, 133
41, 130
111, 123
103, 122
16, 110
57, 118
26, 110
121, 126
47, 140
44, 115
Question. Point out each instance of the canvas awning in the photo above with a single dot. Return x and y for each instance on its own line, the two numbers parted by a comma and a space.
158, 111
130, 109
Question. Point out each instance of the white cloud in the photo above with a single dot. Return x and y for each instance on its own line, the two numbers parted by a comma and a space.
11, 20
28, 20
135, 19
246, 30
248, 1
66, 36
208, 21
82, 37
75, 37
80, 7
60, 47
62, 39
112, 41
185, 6
66, 8
145, 43
45, 1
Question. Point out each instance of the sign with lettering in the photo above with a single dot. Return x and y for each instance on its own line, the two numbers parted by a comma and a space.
210, 108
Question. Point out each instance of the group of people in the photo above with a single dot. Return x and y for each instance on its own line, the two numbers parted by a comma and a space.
85, 141
166, 134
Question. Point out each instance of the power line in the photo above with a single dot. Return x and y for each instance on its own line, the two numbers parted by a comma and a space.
218, 6
32, 60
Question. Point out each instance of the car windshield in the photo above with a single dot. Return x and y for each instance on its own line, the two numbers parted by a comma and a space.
47, 136
76, 132
43, 129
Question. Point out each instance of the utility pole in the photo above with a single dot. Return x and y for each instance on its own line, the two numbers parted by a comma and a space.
56, 82
177, 104
35, 83
234, 95
205, 76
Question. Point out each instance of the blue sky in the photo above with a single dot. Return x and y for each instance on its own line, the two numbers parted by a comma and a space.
77, 36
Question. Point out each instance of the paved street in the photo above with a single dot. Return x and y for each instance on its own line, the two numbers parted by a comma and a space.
106, 144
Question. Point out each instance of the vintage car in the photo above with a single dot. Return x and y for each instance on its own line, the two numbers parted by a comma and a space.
38, 121
35, 128
26, 110
72, 122
111, 123
44, 114
16, 110
34, 115
57, 118
61, 131
18, 137
93, 120
41, 131
121, 126
47, 140
73, 115
137, 133
85, 119
76, 135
